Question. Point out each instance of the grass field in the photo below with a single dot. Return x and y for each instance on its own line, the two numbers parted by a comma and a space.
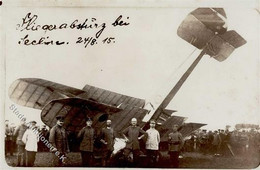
189, 160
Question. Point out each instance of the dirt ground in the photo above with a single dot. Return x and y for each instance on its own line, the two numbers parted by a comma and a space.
189, 160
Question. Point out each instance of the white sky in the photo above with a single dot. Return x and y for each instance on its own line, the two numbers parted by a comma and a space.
145, 56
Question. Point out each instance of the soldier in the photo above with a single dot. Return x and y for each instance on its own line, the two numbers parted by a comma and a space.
59, 140
152, 144
8, 138
203, 139
87, 137
244, 140
223, 147
175, 145
107, 138
13, 140
216, 143
45, 133
131, 135
19, 131
31, 138
210, 140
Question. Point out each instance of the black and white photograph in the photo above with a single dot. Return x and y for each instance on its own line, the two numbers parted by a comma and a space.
130, 84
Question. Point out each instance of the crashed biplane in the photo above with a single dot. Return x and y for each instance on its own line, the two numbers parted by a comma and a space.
204, 28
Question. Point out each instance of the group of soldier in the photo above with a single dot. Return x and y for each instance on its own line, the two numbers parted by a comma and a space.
24, 140
27, 140
224, 142
132, 136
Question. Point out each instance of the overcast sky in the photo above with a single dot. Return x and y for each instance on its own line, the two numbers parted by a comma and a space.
145, 59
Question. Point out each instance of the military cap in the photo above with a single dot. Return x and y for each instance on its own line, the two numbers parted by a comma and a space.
60, 118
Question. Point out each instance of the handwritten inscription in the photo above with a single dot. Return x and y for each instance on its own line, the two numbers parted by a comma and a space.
92, 27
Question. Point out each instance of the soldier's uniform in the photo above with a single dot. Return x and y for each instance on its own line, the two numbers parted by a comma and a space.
87, 136
21, 156
107, 135
59, 140
132, 133
175, 144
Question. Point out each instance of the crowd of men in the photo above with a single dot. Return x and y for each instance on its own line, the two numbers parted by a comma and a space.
27, 143
24, 141
224, 142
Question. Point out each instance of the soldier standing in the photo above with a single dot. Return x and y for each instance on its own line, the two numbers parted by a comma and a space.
12, 142
223, 146
107, 138
59, 140
152, 144
175, 145
8, 138
19, 131
216, 143
131, 135
203, 139
45, 133
31, 138
244, 140
87, 136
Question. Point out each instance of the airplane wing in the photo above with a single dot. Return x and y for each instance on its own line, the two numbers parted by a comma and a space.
213, 18
36, 93
221, 46
76, 111
205, 28
131, 106
111, 98
166, 127
188, 128
200, 26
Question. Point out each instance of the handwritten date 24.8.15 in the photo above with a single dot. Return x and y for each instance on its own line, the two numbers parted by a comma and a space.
91, 41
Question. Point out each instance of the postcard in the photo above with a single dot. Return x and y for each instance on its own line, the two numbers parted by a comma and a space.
130, 84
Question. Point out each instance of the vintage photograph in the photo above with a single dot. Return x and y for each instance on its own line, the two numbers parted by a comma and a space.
131, 85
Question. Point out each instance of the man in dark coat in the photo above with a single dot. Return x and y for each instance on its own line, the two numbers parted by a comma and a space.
87, 137
223, 146
45, 133
107, 138
131, 135
175, 145
19, 131
59, 140
8, 138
